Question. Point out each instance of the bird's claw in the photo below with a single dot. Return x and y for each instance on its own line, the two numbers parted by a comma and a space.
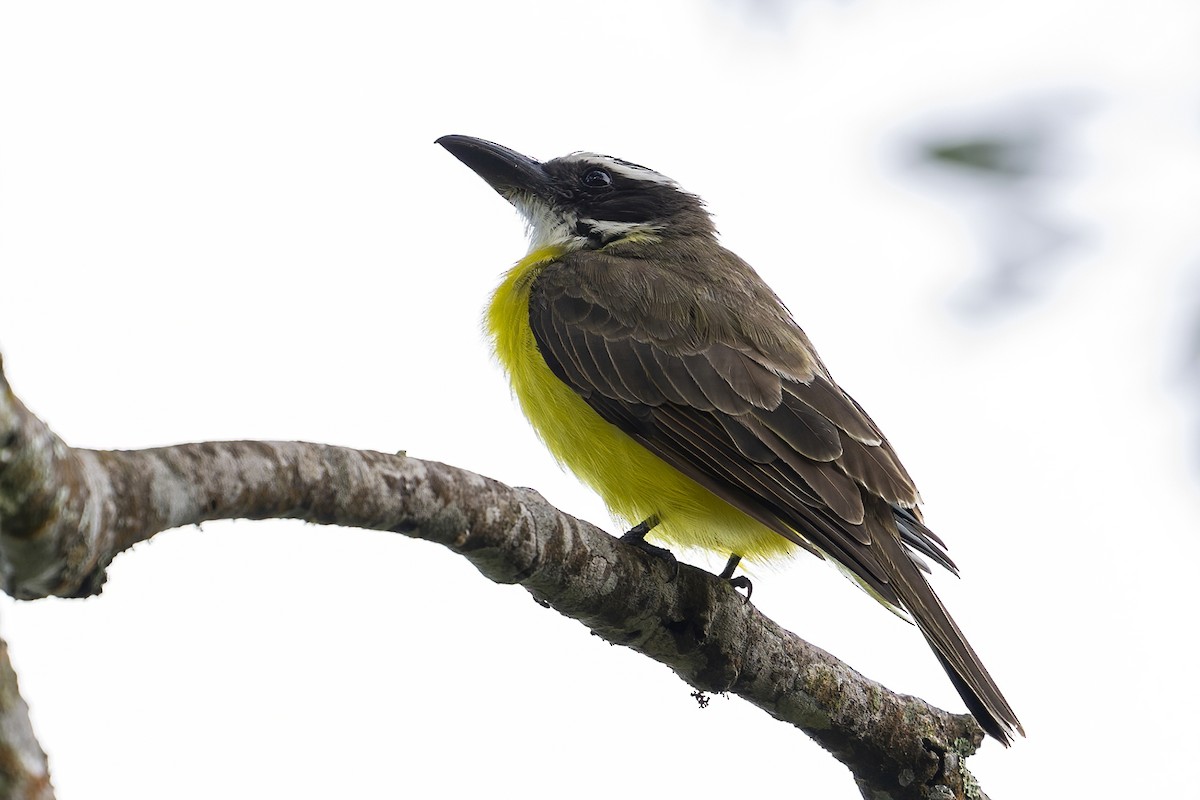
742, 582
636, 536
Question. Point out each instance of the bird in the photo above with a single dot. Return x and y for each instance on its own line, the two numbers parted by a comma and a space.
663, 371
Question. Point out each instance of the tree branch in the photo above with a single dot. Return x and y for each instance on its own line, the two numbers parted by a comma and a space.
24, 772
65, 513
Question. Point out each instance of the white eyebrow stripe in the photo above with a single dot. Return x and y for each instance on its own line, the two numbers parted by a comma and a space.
625, 169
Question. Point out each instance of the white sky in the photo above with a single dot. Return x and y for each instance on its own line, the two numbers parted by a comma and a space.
229, 220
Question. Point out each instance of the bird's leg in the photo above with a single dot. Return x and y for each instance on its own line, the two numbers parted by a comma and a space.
640, 530
741, 581
636, 536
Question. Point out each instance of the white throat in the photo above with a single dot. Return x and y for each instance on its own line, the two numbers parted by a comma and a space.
547, 226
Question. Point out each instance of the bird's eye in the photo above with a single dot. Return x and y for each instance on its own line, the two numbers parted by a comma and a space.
597, 179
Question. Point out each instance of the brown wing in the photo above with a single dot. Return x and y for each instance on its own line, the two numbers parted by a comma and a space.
760, 425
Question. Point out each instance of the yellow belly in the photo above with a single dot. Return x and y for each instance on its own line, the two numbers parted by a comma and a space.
633, 482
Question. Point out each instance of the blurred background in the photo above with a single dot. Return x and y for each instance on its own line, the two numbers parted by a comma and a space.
228, 220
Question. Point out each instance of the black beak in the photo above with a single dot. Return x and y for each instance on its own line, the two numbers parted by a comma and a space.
506, 171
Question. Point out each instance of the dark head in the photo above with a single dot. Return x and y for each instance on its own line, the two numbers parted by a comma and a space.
584, 200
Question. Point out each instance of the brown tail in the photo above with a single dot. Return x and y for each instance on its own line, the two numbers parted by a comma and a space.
966, 671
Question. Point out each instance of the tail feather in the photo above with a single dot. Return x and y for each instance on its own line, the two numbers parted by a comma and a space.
980, 693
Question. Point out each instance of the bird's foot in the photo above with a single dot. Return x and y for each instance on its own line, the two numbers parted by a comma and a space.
741, 581
636, 536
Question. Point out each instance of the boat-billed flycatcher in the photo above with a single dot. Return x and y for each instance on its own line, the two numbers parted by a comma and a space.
662, 370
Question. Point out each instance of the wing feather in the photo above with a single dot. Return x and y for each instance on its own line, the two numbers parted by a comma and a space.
748, 443
555, 345
752, 381
648, 366
588, 361
823, 396
675, 370
602, 354
837, 490
809, 433
720, 393
632, 373
878, 468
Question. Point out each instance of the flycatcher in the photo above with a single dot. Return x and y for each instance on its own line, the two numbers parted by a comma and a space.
664, 372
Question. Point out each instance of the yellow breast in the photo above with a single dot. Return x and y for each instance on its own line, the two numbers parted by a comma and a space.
632, 481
